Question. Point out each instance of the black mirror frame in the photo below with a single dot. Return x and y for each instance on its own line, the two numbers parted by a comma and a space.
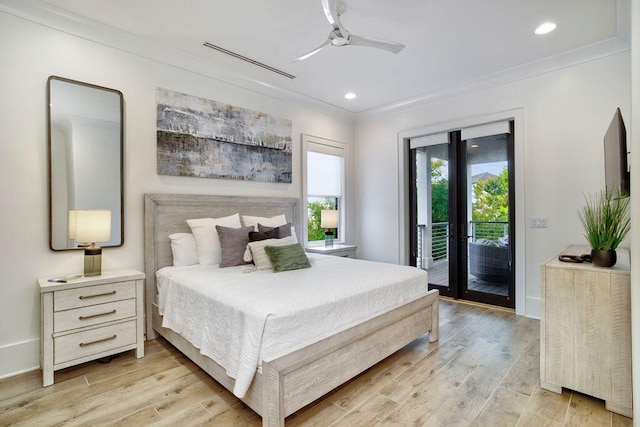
49, 160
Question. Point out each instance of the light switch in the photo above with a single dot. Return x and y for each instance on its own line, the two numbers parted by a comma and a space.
538, 222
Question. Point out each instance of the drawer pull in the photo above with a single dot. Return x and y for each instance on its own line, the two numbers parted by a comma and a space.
84, 344
97, 295
97, 315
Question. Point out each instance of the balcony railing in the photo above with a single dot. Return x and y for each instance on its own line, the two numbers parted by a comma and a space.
439, 239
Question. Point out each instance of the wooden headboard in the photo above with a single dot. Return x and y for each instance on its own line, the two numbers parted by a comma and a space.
165, 214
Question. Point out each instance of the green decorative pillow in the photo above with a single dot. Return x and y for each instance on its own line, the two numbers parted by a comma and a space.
289, 257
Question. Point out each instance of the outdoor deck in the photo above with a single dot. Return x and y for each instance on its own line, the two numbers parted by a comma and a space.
439, 275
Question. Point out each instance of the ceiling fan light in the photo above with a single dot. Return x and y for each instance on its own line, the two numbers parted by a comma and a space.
545, 28
350, 95
339, 41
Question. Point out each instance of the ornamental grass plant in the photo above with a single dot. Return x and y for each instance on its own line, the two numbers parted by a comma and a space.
606, 219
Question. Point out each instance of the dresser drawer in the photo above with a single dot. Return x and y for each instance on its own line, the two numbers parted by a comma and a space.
91, 295
93, 315
93, 341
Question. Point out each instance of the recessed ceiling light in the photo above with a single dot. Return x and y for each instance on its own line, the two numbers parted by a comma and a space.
350, 95
545, 28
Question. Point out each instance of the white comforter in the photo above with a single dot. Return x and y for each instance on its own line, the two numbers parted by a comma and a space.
238, 316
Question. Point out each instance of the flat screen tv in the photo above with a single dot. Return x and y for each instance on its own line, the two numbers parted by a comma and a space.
616, 170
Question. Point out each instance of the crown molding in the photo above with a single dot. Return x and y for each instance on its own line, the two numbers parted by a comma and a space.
51, 17
611, 46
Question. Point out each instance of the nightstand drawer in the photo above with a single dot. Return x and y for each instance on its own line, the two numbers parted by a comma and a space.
91, 295
82, 344
93, 315
346, 253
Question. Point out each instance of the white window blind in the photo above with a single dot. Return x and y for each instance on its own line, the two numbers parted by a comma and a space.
324, 174
497, 128
427, 140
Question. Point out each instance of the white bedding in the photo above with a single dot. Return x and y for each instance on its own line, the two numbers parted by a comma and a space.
238, 316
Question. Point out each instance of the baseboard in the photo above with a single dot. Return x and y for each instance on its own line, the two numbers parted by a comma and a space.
532, 308
19, 358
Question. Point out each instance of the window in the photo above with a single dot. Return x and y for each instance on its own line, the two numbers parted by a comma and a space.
324, 163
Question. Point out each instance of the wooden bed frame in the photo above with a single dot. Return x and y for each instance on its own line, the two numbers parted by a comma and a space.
289, 381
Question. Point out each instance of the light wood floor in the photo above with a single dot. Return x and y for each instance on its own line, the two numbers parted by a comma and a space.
484, 371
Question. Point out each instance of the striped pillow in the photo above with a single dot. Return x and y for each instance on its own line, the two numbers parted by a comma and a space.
260, 258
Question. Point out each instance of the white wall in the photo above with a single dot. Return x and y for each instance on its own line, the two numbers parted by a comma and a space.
635, 202
29, 54
566, 114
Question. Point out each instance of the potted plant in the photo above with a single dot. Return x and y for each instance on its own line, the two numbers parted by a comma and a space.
606, 222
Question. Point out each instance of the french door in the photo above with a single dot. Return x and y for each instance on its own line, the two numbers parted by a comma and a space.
462, 212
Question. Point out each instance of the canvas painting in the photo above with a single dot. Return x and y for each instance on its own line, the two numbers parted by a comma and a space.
204, 138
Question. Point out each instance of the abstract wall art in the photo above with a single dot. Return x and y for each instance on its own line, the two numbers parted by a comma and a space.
203, 138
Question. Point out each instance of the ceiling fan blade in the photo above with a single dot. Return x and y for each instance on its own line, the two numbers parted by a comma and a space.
313, 52
330, 11
387, 45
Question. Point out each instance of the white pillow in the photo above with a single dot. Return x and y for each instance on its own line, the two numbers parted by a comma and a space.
260, 257
183, 248
206, 237
253, 221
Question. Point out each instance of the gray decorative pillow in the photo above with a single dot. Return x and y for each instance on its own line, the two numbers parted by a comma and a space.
233, 242
285, 258
256, 236
281, 230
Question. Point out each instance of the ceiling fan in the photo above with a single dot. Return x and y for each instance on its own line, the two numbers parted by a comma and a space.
339, 36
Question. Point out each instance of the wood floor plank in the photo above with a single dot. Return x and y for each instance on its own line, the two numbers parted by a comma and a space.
585, 411
369, 413
618, 420
191, 416
503, 409
525, 373
474, 392
482, 371
144, 417
529, 419
548, 404
323, 414
417, 375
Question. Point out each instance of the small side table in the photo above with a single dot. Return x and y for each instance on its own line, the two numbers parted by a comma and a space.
345, 251
87, 318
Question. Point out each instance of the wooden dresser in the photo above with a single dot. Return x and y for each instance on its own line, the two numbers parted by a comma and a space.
90, 317
585, 329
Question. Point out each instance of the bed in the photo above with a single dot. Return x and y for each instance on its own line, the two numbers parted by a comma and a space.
288, 380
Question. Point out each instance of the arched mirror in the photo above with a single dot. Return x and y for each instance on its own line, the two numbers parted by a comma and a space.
85, 157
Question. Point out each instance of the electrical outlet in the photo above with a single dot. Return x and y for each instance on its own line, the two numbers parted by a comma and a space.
538, 222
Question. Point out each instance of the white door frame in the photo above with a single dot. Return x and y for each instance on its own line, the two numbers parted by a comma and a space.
517, 115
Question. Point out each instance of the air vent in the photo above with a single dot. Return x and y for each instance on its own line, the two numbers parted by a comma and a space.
249, 60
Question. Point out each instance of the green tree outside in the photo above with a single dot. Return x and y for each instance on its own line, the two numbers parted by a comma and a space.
439, 192
314, 208
491, 198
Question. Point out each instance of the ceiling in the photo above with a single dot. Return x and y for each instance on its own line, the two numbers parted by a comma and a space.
449, 44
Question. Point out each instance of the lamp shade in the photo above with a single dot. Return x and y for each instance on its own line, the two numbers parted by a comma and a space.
90, 226
328, 218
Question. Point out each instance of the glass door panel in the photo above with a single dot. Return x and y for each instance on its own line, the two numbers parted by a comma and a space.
431, 233
488, 205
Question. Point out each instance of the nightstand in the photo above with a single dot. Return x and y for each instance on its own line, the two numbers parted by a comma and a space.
345, 251
90, 317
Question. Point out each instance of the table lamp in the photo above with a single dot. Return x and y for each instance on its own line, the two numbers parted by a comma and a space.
87, 227
328, 220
